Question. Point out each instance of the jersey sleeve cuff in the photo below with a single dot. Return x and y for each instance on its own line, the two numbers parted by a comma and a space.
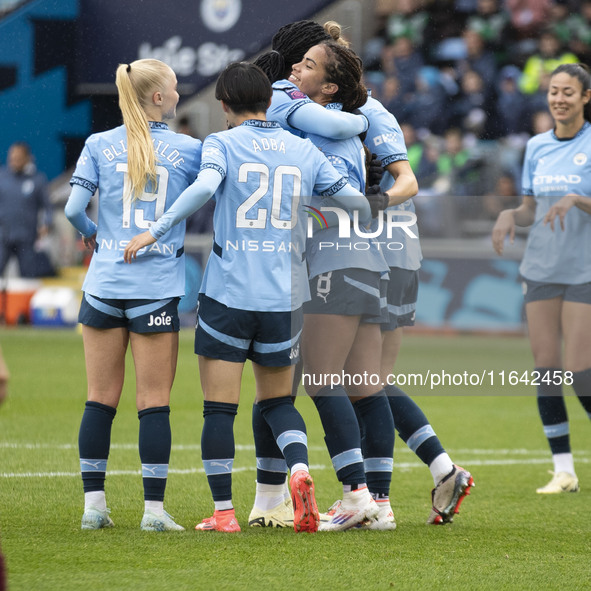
76, 180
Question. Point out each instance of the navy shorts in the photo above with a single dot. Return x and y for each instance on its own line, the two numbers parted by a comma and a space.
403, 291
534, 291
349, 292
141, 316
271, 339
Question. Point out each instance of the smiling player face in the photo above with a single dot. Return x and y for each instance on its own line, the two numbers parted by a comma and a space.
310, 75
566, 99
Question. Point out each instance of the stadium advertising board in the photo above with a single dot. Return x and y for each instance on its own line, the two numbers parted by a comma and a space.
197, 38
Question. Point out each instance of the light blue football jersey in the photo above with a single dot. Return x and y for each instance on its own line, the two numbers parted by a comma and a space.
553, 168
260, 219
159, 271
328, 249
287, 98
286, 108
384, 138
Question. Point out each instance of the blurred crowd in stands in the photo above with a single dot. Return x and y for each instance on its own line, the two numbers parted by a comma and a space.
467, 81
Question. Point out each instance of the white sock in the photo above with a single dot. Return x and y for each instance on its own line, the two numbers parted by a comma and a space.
441, 466
286, 491
299, 466
223, 505
269, 496
154, 506
564, 463
96, 500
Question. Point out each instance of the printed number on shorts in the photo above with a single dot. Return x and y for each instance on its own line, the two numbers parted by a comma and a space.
258, 217
159, 196
323, 285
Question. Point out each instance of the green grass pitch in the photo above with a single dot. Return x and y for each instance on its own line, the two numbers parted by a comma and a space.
505, 537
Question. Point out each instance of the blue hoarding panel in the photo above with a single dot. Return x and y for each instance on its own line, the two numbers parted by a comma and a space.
196, 38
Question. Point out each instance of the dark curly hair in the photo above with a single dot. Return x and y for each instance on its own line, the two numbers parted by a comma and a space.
289, 46
345, 69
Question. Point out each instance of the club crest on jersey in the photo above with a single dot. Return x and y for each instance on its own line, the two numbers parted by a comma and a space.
580, 159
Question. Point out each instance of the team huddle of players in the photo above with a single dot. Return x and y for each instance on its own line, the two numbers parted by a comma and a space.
305, 146
293, 151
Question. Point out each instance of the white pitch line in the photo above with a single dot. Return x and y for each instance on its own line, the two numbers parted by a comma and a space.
400, 448
125, 446
181, 471
313, 467
504, 452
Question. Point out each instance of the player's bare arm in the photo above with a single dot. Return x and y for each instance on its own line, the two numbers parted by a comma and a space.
509, 218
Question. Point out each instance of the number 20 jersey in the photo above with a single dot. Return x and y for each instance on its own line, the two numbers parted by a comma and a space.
260, 219
159, 271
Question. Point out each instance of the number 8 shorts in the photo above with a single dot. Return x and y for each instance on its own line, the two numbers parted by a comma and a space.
349, 292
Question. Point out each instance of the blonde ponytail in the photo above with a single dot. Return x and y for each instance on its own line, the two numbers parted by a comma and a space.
136, 84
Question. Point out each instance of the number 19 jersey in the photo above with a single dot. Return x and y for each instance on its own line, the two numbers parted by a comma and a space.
159, 271
260, 221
